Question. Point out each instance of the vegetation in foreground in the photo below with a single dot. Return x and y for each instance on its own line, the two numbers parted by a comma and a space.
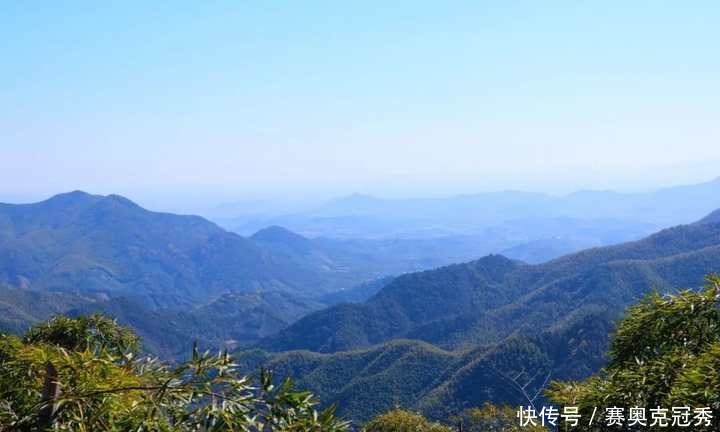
665, 353
82, 374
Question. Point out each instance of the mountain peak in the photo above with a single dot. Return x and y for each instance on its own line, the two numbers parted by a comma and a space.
712, 218
120, 200
73, 197
275, 233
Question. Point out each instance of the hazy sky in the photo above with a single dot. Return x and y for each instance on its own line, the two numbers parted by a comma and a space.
252, 98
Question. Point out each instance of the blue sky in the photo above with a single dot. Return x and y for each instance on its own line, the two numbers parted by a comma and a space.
221, 99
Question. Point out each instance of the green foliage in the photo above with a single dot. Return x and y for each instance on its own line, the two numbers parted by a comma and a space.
665, 353
494, 418
80, 375
403, 421
95, 333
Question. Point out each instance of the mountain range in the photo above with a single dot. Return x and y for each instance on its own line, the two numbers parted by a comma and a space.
363, 216
109, 246
484, 321
465, 299
370, 323
78, 253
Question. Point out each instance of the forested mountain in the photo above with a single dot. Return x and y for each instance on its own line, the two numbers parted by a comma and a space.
107, 244
232, 320
472, 326
420, 376
21, 307
407, 303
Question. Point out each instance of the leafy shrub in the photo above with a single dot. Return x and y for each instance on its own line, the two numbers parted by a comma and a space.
665, 354
403, 421
83, 375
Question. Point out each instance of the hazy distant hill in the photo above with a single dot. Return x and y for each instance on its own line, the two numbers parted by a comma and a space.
362, 216
474, 324
539, 251
530, 240
358, 293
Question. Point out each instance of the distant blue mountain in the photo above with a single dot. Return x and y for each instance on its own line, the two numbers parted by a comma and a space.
363, 216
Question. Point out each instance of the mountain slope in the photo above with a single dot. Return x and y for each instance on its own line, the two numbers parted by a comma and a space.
420, 376
713, 217
236, 319
393, 312
21, 308
107, 245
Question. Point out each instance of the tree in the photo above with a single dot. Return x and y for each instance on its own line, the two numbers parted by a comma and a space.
665, 353
403, 421
83, 374
494, 418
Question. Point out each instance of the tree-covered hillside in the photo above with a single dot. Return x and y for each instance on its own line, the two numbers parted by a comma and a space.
491, 320
417, 375
408, 302
234, 319
84, 374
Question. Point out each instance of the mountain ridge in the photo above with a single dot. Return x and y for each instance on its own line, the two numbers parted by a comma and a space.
634, 267
556, 325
